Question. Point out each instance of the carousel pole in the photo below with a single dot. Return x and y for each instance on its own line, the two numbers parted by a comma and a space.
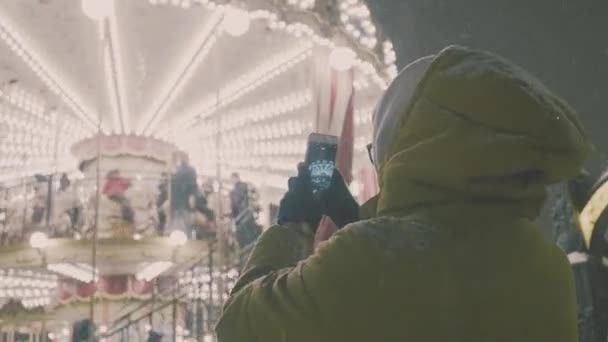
50, 198
170, 170
24, 189
103, 44
211, 305
95, 229
169, 223
221, 228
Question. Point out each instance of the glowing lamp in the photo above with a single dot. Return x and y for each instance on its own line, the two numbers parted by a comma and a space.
97, 9
39, 240
236, 21
177, 238
342, 58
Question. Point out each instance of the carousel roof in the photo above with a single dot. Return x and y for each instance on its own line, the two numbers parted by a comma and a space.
164, 68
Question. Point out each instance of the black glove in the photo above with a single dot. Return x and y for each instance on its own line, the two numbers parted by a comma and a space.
298, 205
338, 203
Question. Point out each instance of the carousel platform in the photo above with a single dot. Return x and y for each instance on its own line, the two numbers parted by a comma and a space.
120, 256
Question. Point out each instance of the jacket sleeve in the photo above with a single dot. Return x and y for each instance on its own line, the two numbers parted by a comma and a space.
285, 292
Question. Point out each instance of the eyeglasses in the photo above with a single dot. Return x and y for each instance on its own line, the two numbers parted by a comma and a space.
369, 152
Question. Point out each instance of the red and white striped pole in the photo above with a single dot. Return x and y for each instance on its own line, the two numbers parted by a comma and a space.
335, 109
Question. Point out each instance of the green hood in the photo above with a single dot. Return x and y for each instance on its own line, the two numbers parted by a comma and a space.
480, 134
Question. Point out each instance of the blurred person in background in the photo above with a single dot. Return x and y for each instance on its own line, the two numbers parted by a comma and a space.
161, 200
561, 224
598, 266
4, 203
41, 192
183, 189
203, 217
465, 145
239, 196
243, 212
67, 208
115, 188
142, 196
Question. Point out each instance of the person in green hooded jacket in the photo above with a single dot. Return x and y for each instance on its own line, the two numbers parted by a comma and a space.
465, 144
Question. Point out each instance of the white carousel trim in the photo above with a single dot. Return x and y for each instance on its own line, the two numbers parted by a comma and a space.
115, 76
153, 270
80, 272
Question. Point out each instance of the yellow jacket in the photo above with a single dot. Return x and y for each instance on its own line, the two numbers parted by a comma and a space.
452, 252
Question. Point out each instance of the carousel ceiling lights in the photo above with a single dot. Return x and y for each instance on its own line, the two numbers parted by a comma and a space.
352, 10
97, 9
182, 72
39, 240
27, 278
104, 15
355, 18
37, 139
269, 110
49, 77
236, 21
302, 4
245, 84
31, 303
177, 238
115, 74
33, 289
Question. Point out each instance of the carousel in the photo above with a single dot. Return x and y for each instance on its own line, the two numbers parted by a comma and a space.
104, 104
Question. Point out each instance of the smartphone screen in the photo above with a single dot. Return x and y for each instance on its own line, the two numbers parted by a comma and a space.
321, 160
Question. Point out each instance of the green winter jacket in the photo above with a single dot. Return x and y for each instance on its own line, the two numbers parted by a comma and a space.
452, 253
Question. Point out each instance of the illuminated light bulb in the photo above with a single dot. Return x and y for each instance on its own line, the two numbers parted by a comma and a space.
342, 58
39, 240
177, 238
236, 21
97, 9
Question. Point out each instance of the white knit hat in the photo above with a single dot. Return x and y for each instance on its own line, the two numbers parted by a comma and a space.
392, 105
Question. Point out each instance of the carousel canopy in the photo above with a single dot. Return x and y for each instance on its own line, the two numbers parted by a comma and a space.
180, 71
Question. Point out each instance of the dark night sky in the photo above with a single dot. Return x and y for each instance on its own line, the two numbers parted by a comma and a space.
564, 42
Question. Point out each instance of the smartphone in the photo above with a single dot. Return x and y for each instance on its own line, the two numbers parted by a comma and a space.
321, 160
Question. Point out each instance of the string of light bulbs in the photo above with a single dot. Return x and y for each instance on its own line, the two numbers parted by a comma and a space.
19, 45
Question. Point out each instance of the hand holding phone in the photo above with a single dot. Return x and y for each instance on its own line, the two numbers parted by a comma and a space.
319, 189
